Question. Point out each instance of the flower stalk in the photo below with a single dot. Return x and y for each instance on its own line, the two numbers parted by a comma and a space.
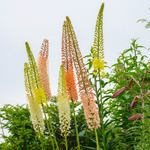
85, 88
42, 66
70, 78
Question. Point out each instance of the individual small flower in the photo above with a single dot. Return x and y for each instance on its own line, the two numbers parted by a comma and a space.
98, 64
103, 74
39, 95
134, 102
63, 103
119, 92
135, 117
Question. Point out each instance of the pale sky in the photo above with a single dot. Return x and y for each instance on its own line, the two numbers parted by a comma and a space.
34, 20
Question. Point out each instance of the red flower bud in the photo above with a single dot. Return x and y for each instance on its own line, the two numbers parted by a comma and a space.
135, 117
120, 91
134, 101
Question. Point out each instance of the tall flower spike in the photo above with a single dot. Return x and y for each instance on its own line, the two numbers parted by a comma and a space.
38, 91
85, 88
98, 44
34, 107
63, 103
68, 65
42, 65
33, 66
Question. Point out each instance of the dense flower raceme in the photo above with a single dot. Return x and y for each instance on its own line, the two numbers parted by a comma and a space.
34, 90
37, 87
35, 78
42, 65
63, 103
85, 88
68, 65
34, 106
98, 46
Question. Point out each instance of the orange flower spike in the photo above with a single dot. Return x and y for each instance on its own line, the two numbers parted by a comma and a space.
43, 68
68, 66
71, 87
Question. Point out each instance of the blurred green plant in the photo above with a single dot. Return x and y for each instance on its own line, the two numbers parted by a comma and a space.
130, 108
145, 21
19, 134
131, 74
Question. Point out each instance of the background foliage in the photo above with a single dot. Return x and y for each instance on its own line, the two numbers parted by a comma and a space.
119, 133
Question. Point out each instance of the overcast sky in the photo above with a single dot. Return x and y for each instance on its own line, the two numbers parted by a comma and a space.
34, 20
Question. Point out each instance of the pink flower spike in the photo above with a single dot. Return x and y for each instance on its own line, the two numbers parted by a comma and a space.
118, 92
135, 117
42, 65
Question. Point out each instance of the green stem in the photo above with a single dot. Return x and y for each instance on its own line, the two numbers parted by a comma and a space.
50, 128
100, 104
55, 140
97, 100
66, 142
101, 111
40, 136
76, 127
97, 141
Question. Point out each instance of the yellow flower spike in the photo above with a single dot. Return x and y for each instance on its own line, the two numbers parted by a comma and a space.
36, 114
98, 64
98, 44
39, 95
